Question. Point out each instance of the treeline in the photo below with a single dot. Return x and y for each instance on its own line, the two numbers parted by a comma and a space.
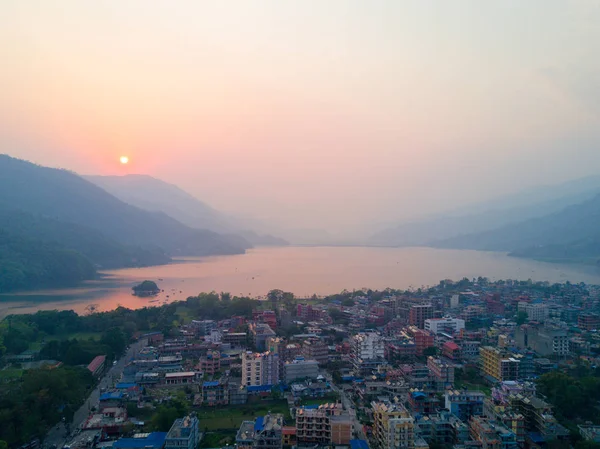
31, 263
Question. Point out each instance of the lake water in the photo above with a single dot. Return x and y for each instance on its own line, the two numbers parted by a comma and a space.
301, 270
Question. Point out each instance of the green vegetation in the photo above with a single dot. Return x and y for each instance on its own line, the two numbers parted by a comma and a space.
146, 288
55, 227
32, 406
223, 418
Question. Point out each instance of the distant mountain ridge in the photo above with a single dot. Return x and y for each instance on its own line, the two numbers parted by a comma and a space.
155, 195
84, 226
485, 217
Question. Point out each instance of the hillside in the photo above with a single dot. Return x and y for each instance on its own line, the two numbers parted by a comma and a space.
488, 216
570, 234
104, 252
154, 195
66, 197
32, 263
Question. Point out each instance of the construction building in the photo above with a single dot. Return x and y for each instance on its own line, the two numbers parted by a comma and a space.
328, 424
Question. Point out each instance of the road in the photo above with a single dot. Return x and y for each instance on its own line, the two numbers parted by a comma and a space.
348, 405
58, 434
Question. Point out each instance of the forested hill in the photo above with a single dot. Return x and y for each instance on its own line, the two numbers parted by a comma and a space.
67, 197
31, 263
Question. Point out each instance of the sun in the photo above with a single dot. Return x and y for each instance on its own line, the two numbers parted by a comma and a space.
124, 160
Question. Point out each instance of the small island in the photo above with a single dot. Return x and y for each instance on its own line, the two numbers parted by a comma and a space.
146, 288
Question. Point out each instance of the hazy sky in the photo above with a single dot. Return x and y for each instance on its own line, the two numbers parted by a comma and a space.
314, 112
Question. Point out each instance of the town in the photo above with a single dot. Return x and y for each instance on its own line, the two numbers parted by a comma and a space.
472, 364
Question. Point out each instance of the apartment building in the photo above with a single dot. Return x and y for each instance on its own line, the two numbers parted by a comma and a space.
260, 368
184, 434
498, 365
417, 315
491, 434
545, 340
393, 426
464, 404
441, 371
265, 432
329, 424
300, 369
315, 349
446, 325
367, 352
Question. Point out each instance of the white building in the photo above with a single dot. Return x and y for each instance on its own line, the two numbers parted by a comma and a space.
368, 352
260, 368
184, 434
444, 325
536, 311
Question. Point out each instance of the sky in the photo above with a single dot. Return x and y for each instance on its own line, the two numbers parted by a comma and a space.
309, 113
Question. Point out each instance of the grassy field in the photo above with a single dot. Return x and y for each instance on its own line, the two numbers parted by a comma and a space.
218, 439
476, 387
10, 373
319, 401
220, 418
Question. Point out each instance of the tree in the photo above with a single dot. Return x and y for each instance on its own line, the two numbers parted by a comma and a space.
430, 351
521, 317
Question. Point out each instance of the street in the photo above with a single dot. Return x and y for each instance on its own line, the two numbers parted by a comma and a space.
58, 434
348, 405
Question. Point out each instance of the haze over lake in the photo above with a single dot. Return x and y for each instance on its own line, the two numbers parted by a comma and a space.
301, 270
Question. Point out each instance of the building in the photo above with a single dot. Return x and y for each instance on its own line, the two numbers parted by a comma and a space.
445, 325
214, 393
260, 368
204, 327
184, 434
545, 340
465, 404
417, 315
469, 349
423, 339
288, 434
367, 352
451, 350
536, 311
96, 366
324, 425
315, 349
260, 332
265, 432
300, 369
497, 365
589, 432
588, 321
235, 339
393, 426
491, 434
442, 372
210, 364
538, 417
180, 378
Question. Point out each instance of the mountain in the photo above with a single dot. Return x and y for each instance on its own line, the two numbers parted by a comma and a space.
528, 204
103, 251
571, 234
155, 195
152, 194
66, 197
32, 263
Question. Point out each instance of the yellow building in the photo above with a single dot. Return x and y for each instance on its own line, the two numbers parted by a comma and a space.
497, 364
393, 427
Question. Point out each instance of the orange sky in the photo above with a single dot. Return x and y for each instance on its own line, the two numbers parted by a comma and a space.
320, 114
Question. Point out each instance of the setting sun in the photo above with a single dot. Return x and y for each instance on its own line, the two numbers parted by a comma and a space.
124, 159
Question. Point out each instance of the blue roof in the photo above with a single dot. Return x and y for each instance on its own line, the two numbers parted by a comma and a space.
259, 424
214, 383
258, 388
359, 444
418, 394
536, 437
310, 407
154, 440
126, 385
111, 395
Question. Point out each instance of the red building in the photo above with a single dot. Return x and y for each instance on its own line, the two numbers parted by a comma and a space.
423, 339
419, 313
588, 321
451, 350
265, 316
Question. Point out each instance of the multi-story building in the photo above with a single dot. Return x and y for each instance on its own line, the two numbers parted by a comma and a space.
465, 404
326, 425
260, 368
469, 349
441, 371
446, 325
536, 311
210, 364
315, 349
368, 352
204, 327
265, 316
263, 433
451, 350
235, 339
498, 365
300, 369
491, 434
260, 332
538, 417
393, 426
417, 315
214, 393
545, 340
588, 321
423, 339
184, 434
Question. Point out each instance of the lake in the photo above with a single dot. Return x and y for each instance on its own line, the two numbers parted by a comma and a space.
301, 270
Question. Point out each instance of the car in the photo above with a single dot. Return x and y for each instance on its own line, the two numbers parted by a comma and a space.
114, 362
